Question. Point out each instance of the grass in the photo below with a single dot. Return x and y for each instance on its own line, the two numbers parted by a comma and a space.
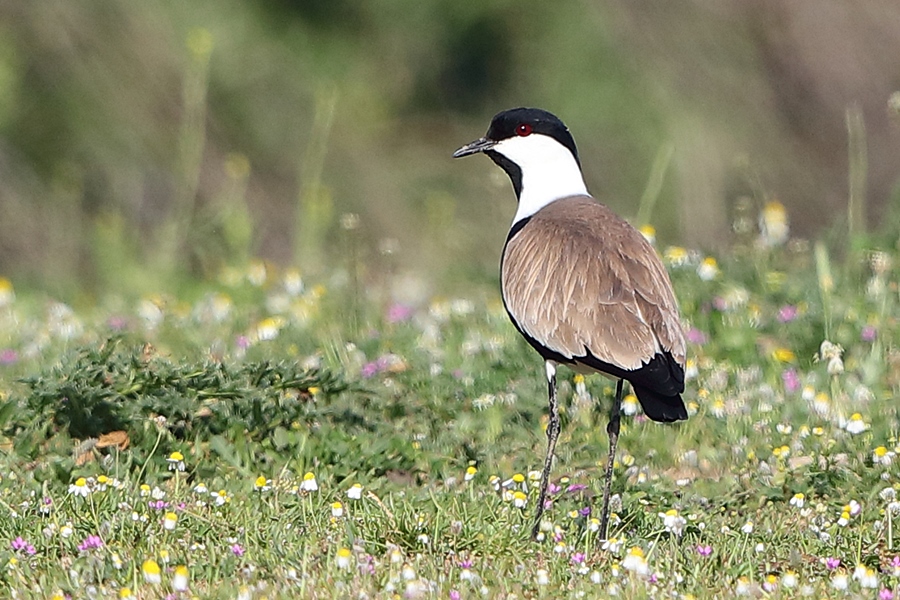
166, 446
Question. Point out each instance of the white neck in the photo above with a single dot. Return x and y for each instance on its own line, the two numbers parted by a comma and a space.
549, 171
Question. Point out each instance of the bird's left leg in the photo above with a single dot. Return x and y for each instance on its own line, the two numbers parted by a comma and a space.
613, 430
552, 435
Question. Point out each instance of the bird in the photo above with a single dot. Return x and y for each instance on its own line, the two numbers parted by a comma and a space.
582, 285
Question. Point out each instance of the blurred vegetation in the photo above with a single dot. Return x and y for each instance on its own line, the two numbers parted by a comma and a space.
144, 145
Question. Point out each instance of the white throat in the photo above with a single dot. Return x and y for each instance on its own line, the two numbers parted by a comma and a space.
549, 171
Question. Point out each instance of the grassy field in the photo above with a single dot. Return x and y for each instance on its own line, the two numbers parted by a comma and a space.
267, 437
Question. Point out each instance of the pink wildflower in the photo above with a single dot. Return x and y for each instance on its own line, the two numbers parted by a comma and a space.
90, 542
695, 336
20, 545
791, 380
787, 313
398, 313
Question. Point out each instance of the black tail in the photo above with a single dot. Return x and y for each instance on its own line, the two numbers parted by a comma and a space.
660, 407
657, 384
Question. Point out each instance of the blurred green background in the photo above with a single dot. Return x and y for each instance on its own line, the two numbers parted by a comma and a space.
144, 144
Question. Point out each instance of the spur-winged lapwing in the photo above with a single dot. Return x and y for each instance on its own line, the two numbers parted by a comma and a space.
579, 283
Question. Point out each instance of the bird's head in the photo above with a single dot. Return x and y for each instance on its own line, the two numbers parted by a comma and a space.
538, 153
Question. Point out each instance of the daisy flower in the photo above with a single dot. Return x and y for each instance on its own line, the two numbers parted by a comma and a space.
673, 522
743, 587
180, 579
789, 579
309, 483
883, 456
7, 294
613, 544
774, 227
152, 572
342, 559
169, 521
355, 491
676, 256
708, 269
268, 328
856, 424
839, 581
80, 488
635, 562
517, 479
519, 499
630, 405
176, 461
866, 577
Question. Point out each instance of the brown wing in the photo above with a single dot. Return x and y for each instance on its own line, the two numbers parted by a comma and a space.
577, 277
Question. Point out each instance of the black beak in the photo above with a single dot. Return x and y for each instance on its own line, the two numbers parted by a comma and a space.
475, 147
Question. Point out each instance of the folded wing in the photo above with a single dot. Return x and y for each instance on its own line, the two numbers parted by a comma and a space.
585, 288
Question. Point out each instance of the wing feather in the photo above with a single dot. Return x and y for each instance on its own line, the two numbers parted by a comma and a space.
580, 280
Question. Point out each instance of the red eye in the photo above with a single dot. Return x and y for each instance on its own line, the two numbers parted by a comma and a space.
523, 129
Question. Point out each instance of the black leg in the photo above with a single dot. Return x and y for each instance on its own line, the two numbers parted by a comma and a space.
552, 435
613, 430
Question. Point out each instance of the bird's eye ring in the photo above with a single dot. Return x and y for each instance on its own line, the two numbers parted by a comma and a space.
523, 129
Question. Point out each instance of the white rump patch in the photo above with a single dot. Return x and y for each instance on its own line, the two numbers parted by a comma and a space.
551, 369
